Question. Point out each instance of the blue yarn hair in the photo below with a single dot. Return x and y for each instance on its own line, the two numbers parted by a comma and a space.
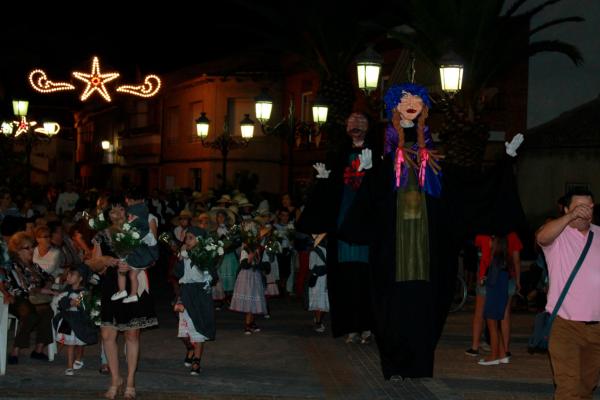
394, 95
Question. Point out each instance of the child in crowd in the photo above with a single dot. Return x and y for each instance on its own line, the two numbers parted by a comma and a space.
74, 328
496, 287
249, 292
318, 300
196, 308
146, 254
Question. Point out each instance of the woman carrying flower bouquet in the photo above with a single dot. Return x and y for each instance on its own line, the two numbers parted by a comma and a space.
115, 316
249, 292
196, 309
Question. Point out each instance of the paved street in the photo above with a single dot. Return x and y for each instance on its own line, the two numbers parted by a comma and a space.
287, 360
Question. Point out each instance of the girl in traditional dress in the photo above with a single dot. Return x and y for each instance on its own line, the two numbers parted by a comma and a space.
196, 310
73, 325
249, 292
318, 300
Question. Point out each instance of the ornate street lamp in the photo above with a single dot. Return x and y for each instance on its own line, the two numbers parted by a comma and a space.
247, 126
20, 107
263, 104
451, 72
225, 141
202, 125
319, 110
368, 66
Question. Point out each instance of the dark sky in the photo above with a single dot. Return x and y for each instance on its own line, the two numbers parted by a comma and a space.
60, 40
555, 84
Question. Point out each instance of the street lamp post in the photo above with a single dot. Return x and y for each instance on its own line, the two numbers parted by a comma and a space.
287, 127
225, 141
28, 131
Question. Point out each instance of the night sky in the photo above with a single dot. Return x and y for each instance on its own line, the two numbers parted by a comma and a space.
154, 40
555, 84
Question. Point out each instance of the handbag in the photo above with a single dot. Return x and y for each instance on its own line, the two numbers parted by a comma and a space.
544, 320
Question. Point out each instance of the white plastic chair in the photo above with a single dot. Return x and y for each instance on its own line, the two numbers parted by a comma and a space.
3, 334
16, 322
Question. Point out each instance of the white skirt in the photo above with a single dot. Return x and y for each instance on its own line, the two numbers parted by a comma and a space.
187, 330
318, 298
69, 339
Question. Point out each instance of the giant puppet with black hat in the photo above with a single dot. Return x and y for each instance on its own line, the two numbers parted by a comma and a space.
338, 191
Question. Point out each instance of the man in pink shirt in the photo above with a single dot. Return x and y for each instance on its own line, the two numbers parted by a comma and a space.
574, 343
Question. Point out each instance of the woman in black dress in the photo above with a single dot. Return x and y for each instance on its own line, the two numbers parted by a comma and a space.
115, 315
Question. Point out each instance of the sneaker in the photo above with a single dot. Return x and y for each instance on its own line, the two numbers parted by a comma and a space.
69, 372
77, 364
39, 356
486, 363
247, 330
130, 299
485, 347
119, 295
505, 360
267, 316
508, 354
472, 352
195, 371
187, 361
254, 328
319, 328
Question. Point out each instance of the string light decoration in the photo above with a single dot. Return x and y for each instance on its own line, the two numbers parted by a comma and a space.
40, 82
23, 126
149, 88
6, 128
49, 128
95, 81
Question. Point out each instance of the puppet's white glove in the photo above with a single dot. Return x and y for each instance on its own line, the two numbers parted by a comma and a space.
366, 160
511, 148
322, 173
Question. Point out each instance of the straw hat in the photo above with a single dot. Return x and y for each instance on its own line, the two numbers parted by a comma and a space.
185, 213
230, 216
244, 203
225, 199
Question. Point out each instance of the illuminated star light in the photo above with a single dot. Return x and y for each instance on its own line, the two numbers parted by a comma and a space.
23, 126
6, 128
95, 81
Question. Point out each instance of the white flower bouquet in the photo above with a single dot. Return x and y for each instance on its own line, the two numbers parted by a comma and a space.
126, 240
99, 223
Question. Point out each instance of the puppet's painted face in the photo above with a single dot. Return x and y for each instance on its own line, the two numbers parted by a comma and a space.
410, 106
356, 127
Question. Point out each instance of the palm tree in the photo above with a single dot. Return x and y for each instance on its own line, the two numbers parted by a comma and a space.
322, 38
490, 42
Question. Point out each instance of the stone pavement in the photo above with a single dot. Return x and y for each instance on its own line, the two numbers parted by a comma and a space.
287, 360
526, 377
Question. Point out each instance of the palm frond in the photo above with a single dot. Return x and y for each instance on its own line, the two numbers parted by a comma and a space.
535, 10
557, 21
557, 46
514, 7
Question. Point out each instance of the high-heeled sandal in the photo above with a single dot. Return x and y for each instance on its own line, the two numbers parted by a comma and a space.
129, 393
114, 391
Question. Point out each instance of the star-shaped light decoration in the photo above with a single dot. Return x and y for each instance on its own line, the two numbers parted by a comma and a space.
23, 126
95, 81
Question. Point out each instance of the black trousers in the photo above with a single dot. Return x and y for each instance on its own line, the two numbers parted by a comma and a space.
32, 318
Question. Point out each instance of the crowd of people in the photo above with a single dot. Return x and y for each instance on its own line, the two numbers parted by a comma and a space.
374, 246
69, 278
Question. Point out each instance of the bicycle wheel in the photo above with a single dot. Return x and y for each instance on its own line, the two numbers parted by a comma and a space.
459, 297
